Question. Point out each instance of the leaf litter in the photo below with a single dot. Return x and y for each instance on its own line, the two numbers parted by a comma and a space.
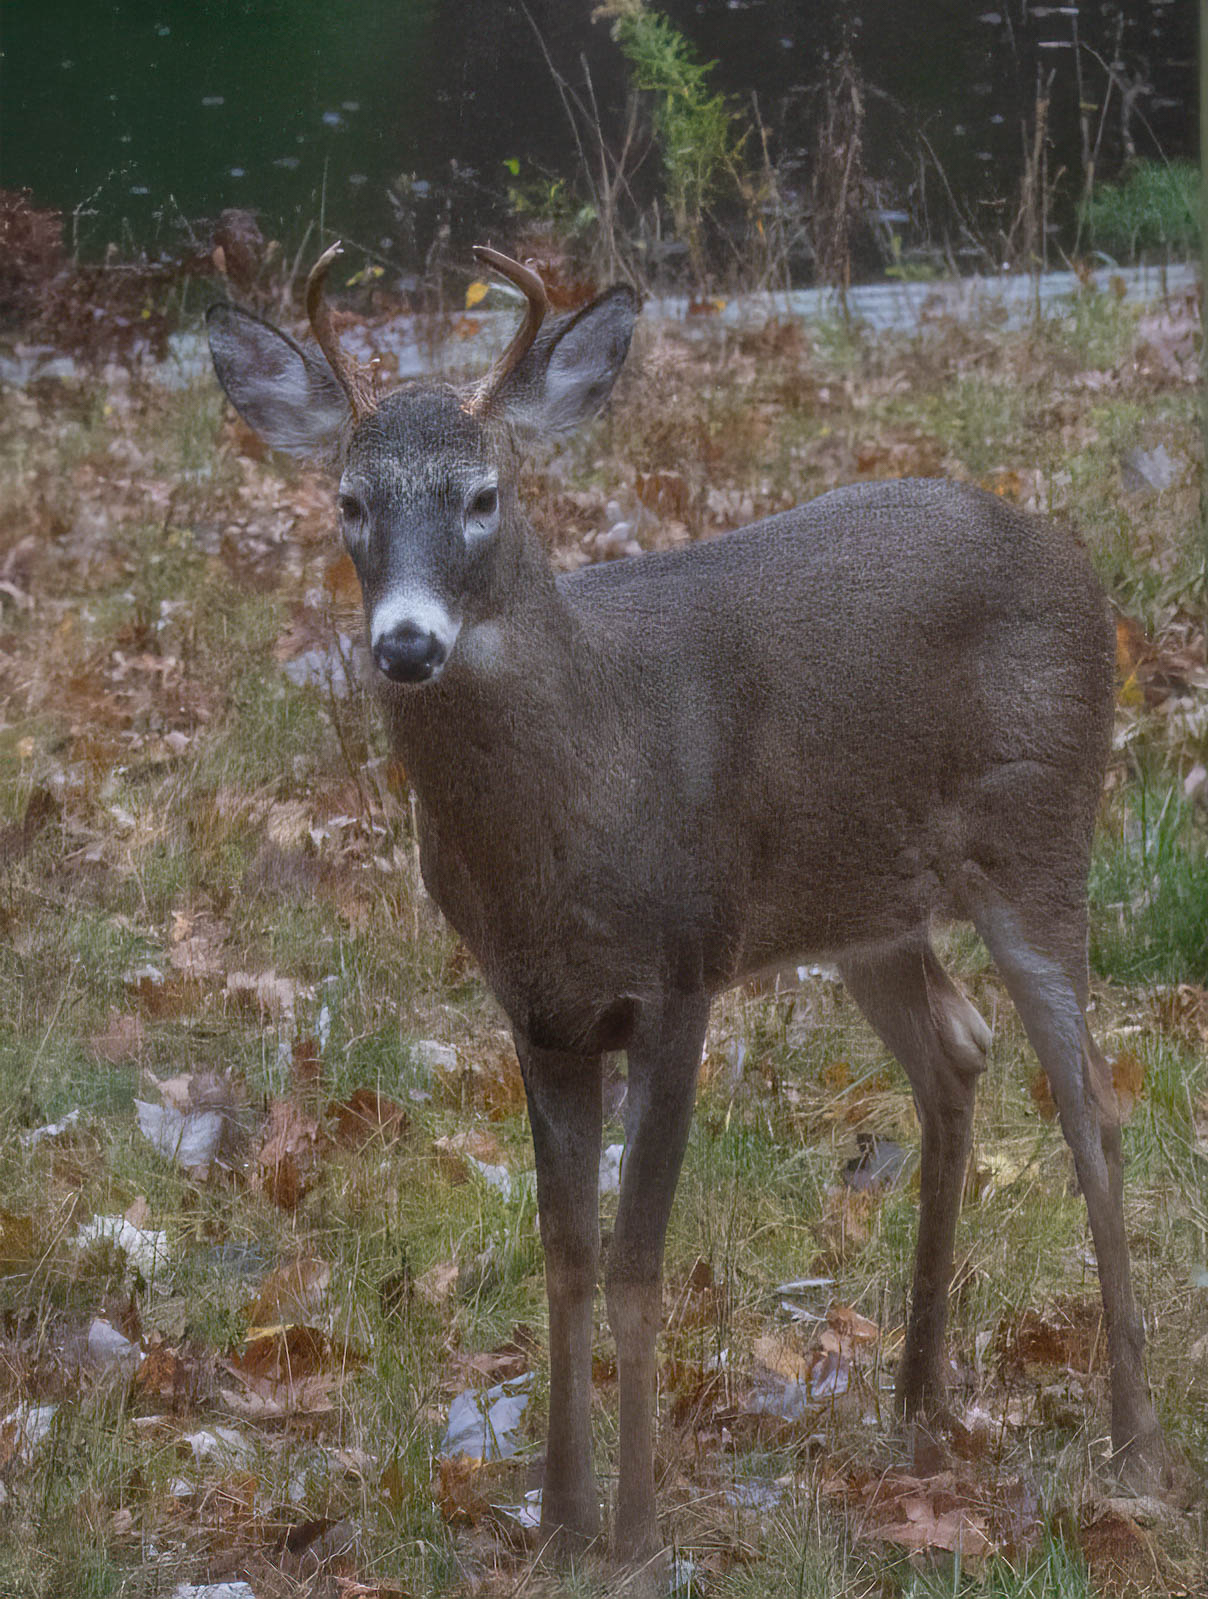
151, 700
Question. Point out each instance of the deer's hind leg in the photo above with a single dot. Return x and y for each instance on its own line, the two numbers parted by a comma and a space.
1040, 950
940, 1041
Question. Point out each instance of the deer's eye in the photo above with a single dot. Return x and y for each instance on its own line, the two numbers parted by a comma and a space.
351, 508
485, 503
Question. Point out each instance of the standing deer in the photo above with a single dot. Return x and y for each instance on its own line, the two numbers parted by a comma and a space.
640, 783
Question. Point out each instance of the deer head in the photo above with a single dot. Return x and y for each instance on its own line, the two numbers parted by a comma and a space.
427, 474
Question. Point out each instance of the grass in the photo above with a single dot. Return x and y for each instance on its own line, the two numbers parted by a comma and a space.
207, 817
1149, 887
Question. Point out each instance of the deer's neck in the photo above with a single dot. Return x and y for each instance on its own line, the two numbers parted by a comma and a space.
517, 680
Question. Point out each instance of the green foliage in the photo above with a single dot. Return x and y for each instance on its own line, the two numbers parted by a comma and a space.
546, 199
700, 136
1156, 207
1149, 895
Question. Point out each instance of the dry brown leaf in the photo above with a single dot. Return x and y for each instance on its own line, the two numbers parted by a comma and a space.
1128, 1079
288, 1370
489, 1081
1067, 1335
782, 1354
1114, 1545
846, 1223
1183, 1010
924, 1529
181, 1375
168, 998
849, 1324
476, 1142
438, 1282
266, 992
286, 1354
497, 1365
310, 1396
288, 823
456, 1492
138, 1212
289, 1157
306, 1064
367, 1115
292, 1291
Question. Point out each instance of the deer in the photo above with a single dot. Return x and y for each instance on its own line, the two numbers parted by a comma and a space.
641, 783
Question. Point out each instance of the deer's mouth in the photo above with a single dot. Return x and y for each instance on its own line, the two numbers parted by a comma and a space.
411, 637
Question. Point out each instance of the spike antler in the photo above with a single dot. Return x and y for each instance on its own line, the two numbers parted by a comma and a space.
530, 284
348, 375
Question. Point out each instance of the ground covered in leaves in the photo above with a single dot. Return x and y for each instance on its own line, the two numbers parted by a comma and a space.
268, 1244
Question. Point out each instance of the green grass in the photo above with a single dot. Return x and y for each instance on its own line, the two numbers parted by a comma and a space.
1149, 894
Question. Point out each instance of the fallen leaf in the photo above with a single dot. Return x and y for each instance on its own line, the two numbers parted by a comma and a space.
488, 1081
367, 1115
181, 1376
18, 837
292, 1291
289, 1156
1128, 1080
286, 1354
1183, 1010
1114, 1545
783, 1355
438, 1282
266, 992
1068, 1335
456, 1491
195, 946
288, 1370
851, 1325
476, 1144
164, 998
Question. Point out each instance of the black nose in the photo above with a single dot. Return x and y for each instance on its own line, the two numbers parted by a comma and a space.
408, 654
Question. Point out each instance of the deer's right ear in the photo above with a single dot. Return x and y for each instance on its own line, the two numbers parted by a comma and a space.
288, 396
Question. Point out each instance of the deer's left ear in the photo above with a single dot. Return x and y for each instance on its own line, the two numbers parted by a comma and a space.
569, 372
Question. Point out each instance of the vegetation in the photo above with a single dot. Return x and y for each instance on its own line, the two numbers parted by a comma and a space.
210, 905
700, 136
1154, 209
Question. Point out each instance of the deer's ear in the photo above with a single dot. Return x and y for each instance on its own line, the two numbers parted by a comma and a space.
568, 374
288, 396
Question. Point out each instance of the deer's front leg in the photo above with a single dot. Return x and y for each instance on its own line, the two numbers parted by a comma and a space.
664, 1058
564, 1106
